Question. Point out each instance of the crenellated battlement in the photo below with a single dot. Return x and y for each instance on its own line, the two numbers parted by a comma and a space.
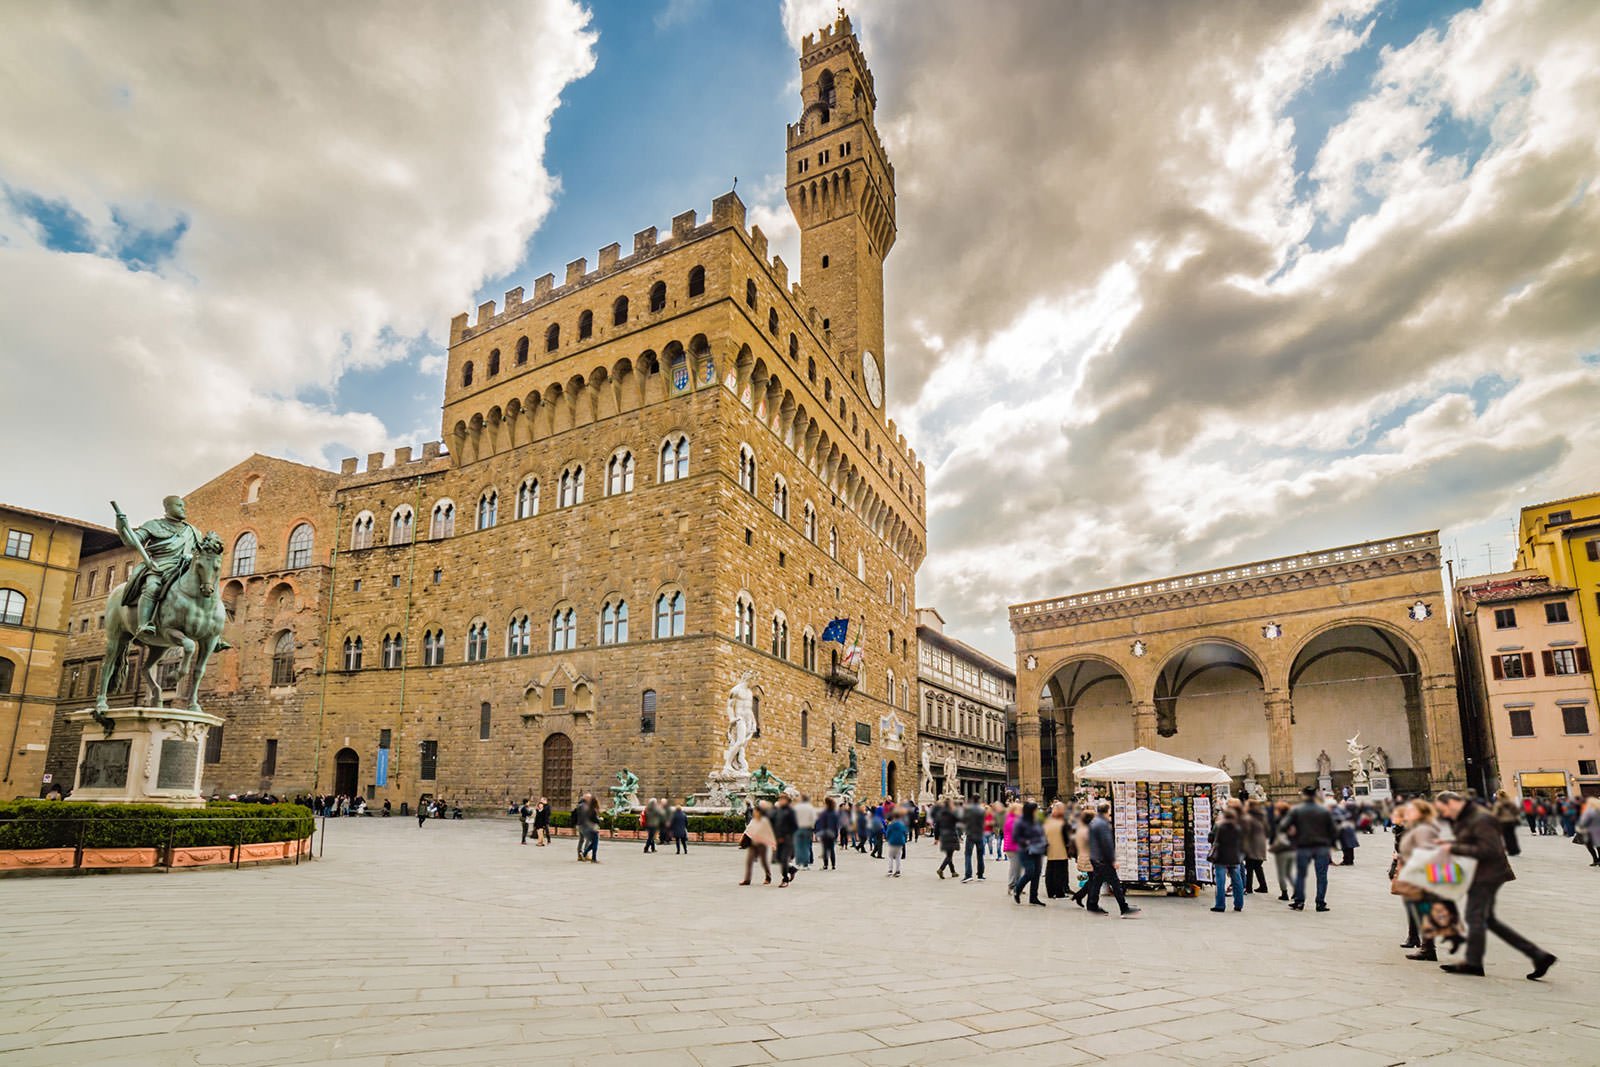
405, 465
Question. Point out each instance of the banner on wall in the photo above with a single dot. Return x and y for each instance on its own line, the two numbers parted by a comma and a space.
382, 777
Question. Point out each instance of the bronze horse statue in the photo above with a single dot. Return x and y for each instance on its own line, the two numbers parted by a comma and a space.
190, 618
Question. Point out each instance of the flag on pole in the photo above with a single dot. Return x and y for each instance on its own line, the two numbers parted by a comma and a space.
837, 630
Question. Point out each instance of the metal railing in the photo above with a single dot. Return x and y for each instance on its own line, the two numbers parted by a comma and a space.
165, 852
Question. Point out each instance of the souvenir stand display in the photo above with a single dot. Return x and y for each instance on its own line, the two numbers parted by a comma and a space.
1161, 814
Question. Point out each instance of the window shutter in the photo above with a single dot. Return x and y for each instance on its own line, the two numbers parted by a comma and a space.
1549, 658
1527, 665
1499, 670
1583, 660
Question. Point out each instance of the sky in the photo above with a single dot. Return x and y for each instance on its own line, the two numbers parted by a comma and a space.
1175, 285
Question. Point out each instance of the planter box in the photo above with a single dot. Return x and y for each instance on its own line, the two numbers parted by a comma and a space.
202, 855
119, 857
266, 850
36, 859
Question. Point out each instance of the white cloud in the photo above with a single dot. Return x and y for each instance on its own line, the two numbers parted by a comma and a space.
347, 178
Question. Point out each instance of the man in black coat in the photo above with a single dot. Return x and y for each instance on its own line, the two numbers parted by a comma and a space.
1227, 858
1310, 826
1477, 835
1103, 863
784, 826
972, 820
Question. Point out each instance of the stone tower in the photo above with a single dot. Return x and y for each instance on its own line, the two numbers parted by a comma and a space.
841, 190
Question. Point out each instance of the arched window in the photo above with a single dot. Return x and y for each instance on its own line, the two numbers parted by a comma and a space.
833, 737
827, 388
825, 89
861, 566
361, 532
619, 311
780, 636
614, 622
750, 293
888, 594
833, 541
805, 726
444, 520
744, 620
658, 296
400, 525
780, 497
432, 648
772, 321
585, 325
244, 554
674, 458
494, 363
12, 605
811, 369
808, 650
647, 712
808, 522
283, 659
669, 614
888, 686
747, 469
619, 474
488, 509
466, 373
552, 337
519, 635
477, 642
571, 490
528, 498
794, 347
352, 653
697, 281
8, 671
563, 630
394, 652
522, 351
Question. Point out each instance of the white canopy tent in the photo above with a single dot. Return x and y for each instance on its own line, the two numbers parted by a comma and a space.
1148, 765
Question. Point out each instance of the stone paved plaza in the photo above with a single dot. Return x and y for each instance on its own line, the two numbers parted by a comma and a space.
453, 945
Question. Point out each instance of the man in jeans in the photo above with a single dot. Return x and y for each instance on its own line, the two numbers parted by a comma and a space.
972, 818
1477, 835
1103, 863
1310, 827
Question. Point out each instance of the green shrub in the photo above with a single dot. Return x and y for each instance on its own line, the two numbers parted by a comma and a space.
56, 824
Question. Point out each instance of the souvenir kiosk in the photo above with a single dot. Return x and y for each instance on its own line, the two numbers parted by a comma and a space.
1161, 811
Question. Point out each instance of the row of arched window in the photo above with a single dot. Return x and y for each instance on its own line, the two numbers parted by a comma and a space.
302, 542
657, 302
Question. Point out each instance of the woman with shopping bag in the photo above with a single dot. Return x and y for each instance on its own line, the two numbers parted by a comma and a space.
1423, 833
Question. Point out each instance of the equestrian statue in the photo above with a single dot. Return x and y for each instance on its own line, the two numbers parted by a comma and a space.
170, 600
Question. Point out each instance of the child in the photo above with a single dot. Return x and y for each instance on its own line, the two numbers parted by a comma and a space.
895, 832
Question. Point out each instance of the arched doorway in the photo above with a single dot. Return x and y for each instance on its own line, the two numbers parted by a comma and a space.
1211, 707
556, 777
1086, 714
346, 772
888, 778
1359, 678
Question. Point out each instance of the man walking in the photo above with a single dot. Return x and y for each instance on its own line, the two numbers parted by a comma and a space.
680, 830
784, 828
1227, 858
526, 814
977, 839
1310, 827
1477, 835
805, 817
652, 824
1103, 863
586, 820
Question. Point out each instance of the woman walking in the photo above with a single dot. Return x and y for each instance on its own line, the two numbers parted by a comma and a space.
1027, 836
1056, 855
762, 844
1080, 849
1589, 829
1507, 814
1282, 849
1008, 844
948, 826
827, 831
1422, 831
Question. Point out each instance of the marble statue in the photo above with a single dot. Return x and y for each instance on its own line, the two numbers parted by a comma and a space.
1358, 757
925, 789
1380, 761
1249, 767
1324, 764
741, 725
171, 600
765, 783
951, 779
625, 794
1222, 764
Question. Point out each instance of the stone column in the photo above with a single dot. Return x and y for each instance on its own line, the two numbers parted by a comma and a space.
1029, 773
1446, 757
1144, 724
1416, 723
1280, 740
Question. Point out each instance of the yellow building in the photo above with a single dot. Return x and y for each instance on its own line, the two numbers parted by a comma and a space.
38, 573
1561, 539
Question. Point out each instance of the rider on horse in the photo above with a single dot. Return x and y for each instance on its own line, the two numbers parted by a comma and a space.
166, 544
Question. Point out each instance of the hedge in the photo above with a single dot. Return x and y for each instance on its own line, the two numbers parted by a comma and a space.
698, 824
55, 824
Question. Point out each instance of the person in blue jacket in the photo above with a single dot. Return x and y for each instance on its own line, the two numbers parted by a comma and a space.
895, 832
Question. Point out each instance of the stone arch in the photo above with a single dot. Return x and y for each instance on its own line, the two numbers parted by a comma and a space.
1207, 677
1359, 675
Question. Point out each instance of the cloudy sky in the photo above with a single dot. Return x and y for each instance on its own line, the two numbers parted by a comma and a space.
1176, 285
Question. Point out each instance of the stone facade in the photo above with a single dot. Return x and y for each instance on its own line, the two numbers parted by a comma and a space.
740, 488
1274, 662
963, 696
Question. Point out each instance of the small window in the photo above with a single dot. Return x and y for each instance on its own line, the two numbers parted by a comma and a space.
811, 369
586, 326
428, 764
1586, 767
1521, 723
1591, 549
697, 281
619, 312
494, 363
824, 262
658, 297
1559, 517
522, 351
488, 509
214, 745
1556, 611
283, 659
1561, 661
19, 545
1574, 719
552, 337
747, 469
1505, 618
558, 697
269, 758
528, 498
750, 293
647, 712
772, 321
805, 727
794, 348
485, 715
744, 620
466, 373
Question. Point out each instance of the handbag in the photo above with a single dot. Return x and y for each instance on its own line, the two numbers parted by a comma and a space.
1442, 874
744, 840
1405, 890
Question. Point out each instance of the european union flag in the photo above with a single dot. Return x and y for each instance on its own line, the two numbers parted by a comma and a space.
836, 630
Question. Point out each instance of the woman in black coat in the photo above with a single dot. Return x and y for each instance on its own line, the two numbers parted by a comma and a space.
948, 826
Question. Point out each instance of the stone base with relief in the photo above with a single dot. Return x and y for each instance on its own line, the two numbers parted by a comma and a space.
151, 756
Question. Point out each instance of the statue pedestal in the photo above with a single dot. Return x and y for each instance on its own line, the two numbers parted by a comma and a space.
1325, 783
152, 756
725, 791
